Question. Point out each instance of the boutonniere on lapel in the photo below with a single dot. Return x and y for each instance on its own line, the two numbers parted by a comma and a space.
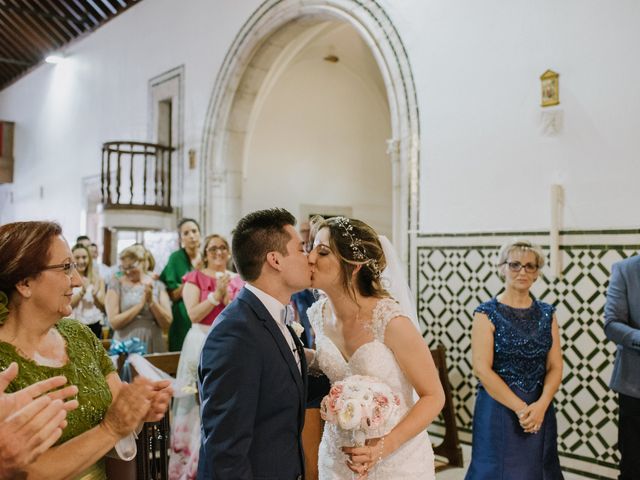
297, 328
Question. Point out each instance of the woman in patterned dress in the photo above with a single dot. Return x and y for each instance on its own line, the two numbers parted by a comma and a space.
137, 305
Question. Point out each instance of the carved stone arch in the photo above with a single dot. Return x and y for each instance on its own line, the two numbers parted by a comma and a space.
248, 67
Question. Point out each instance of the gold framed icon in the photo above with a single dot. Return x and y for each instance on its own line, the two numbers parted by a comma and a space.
550, 84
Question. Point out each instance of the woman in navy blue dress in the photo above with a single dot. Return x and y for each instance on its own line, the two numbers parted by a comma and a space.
518, 361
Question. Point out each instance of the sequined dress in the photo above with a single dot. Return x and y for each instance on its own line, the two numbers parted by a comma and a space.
87, 368
413, 460
501, 449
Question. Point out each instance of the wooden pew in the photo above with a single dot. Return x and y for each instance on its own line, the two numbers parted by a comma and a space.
311, 436
449, 448
152, 461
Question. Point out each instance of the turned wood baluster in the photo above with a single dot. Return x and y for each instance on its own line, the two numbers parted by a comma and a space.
131, 163
157, 179
102, 177
168, 153
118, 175
144, 182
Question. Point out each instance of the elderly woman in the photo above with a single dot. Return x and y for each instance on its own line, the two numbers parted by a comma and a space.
88, 299
206, 293
518, 361
137, 305
37, 276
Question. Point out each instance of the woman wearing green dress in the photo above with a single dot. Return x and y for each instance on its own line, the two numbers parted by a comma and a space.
180, 263
37, 277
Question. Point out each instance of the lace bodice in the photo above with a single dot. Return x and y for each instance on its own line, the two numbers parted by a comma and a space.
522, 340
414, 460
372, 359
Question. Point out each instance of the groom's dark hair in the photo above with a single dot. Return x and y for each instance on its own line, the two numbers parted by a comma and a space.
257, 234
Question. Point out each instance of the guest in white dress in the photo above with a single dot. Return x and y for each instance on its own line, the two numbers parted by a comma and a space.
361, 330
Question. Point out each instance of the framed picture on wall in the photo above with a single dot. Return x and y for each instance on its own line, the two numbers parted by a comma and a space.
549, 81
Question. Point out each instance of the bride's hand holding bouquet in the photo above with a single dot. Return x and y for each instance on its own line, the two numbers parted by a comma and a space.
364, 407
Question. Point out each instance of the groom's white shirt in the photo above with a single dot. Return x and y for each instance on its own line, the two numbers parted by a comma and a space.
275, 309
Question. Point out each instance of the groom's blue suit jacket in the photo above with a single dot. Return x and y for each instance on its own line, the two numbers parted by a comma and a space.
252, 397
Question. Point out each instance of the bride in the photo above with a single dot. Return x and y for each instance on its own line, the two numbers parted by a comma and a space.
361, 330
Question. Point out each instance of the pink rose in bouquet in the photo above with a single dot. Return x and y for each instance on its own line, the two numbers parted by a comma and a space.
360, 405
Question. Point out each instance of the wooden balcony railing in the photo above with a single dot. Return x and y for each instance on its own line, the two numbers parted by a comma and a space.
136, 175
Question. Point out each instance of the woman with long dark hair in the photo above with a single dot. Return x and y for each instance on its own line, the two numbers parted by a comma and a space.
181, 262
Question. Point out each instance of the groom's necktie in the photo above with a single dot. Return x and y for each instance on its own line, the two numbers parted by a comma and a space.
288, 316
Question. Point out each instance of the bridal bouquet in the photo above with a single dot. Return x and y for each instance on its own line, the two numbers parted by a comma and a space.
360, 405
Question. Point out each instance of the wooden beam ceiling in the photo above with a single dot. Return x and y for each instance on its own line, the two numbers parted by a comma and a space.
32, 29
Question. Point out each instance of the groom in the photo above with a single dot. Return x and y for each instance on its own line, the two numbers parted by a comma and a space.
252, 373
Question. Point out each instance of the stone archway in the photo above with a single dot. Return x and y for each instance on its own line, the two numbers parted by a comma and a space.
260, 44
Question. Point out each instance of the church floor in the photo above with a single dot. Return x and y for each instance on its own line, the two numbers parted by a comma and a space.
458, 473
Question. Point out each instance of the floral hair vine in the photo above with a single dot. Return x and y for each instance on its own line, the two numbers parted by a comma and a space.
359, 252
4, 311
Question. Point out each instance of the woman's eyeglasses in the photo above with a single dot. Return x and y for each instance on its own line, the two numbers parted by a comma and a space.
68, 267
214, 249
128, 268
517, 266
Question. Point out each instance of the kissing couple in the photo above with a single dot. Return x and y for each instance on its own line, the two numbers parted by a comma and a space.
253, 369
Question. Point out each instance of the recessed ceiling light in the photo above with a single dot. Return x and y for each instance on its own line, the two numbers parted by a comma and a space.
56, 57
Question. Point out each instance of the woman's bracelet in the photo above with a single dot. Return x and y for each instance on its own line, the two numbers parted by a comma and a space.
381, 449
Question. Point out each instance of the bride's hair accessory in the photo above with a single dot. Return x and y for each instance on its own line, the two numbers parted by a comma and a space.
359, 252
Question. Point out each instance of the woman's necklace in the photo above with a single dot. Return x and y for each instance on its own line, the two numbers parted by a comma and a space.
42, 360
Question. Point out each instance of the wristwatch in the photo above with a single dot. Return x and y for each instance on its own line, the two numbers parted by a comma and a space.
212, 299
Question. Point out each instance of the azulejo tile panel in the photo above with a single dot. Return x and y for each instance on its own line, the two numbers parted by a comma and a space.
453, 279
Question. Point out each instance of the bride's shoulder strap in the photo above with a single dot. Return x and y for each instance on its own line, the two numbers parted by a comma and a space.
386, 309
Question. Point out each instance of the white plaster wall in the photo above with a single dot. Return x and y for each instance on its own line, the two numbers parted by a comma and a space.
484, 164
320, 134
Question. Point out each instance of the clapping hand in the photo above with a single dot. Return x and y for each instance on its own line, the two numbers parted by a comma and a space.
31, 420
160, 401
137, 402
148, 293
130, 408
222, 283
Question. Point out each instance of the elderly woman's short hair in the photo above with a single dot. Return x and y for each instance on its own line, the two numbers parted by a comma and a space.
519, 245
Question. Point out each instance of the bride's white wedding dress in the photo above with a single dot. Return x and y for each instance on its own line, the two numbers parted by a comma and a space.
414, 459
